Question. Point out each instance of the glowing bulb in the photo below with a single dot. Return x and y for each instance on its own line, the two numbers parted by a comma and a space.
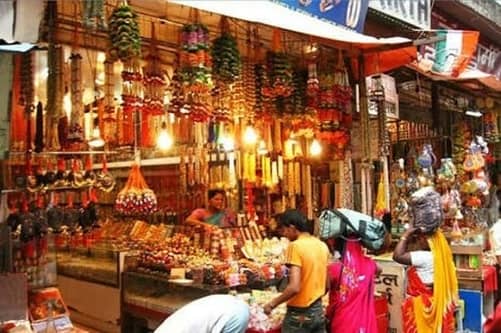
164, 140
228, 143
250, 135
96, 140
315, 148
262, 150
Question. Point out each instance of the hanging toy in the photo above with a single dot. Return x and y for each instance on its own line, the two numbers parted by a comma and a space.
427, 158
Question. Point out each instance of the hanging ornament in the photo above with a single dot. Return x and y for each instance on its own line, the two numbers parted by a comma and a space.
136, 198
77, 109
124, 33
226, 60
154, 80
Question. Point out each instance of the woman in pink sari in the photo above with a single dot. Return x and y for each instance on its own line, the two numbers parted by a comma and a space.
351, 299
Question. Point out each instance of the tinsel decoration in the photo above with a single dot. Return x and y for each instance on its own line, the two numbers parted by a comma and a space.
124, 33
93, 14
76, 125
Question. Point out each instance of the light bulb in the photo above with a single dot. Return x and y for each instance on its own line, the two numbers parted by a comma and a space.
315, 148
164, 140
96, 140
262, 150
250, 135
228, 143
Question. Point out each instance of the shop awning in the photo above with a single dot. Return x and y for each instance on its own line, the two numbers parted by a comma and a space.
19, 21
400, 52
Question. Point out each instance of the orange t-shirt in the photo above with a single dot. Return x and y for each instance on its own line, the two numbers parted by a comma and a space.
311, 255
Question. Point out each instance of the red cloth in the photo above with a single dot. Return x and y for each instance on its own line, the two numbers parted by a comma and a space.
493, 323
416, 288
490, 278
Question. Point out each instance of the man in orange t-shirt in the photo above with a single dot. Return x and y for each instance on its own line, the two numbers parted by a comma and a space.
307, 258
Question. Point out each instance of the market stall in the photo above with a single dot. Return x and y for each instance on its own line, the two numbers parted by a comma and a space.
130, 116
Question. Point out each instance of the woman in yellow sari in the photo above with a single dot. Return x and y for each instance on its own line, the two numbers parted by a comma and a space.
432, 287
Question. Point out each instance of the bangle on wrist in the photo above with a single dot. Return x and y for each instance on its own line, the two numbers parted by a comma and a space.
403, 238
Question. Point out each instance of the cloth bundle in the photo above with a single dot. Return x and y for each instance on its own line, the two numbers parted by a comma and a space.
426, 210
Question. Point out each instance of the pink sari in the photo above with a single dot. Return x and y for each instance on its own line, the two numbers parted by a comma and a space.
351, 304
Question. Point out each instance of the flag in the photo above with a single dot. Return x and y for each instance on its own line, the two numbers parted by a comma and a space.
454, 52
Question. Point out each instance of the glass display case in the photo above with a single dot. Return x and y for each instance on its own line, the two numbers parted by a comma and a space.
96, 264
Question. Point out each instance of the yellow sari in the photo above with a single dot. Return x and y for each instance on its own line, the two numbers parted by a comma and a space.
432, 311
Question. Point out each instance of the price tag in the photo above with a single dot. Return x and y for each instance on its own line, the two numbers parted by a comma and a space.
177, 273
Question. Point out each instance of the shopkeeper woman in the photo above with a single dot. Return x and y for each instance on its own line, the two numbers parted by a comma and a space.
432, 287
215, 215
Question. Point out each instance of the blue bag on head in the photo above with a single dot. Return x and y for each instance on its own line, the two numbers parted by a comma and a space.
339, 222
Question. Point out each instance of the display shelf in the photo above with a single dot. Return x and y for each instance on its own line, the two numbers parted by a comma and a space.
89, 267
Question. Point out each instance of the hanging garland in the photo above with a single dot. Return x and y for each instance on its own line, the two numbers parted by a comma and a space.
76, 126
154, 80
124, 33
227, 63
195, 59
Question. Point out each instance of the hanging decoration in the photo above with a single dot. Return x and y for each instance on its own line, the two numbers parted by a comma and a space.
76, 126
195, 70
93, 14
27, 93
154, 80
195, 59
279, 70
334, 109
124, 33
460, 140
177, 105
136, 198
132, 98
109, 120
39, 128
249, 79
227, 64
55, 89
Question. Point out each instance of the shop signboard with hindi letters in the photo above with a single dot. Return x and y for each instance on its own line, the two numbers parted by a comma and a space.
414, 12
346, 13
391, 282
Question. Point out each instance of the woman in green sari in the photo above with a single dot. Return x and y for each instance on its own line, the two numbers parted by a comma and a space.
215, 215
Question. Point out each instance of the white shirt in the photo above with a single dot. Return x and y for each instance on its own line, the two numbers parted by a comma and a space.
495, 237
211, 314
423, 261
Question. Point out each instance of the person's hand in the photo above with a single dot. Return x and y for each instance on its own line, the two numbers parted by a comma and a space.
268, 307
208, 227
411, 230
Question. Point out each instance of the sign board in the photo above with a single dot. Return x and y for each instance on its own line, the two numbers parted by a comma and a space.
347, 13
391, 281
390, 95
414, 12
